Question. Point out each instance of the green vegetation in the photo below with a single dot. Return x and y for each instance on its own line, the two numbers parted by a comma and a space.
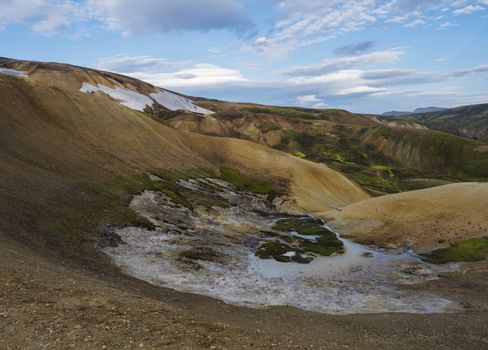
326, 244
275, 250
306, 226
379, 183
475, 249
299, 154
247, 183
266, 126
468, 121
386, 168
104, 205
446, 151
382, 158
108, 204
300, 113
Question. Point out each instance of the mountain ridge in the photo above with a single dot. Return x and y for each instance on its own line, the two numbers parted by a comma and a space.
415, 111
469, 121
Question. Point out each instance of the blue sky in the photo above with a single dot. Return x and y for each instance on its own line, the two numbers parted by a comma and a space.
362, 55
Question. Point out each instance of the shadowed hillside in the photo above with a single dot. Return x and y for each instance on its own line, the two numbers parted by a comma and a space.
466, 121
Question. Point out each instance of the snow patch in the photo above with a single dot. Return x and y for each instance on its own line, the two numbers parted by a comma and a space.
124, 96
13, 73
139, 102
312, 238
290, 254
175, 102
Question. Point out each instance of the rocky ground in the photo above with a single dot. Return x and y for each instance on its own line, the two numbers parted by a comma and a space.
44, 304
50, 302
241, 247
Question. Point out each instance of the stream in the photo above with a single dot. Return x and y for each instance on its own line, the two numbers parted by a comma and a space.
212, 252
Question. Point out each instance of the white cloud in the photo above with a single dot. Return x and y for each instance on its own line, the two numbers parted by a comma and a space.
397, 19
468, 10
46, 17
306, 99
350, 87
311, 101
154, 16
365, 89
198, 75
310, 22
415, 23
446, 25
346, 62
130, 64
306, 22
127, 16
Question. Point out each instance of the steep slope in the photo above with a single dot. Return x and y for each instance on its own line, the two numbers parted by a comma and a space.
466, 121
69, 159
425, 219
129, 92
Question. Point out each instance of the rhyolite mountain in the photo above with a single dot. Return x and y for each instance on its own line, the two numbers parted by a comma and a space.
77, 145
381, 154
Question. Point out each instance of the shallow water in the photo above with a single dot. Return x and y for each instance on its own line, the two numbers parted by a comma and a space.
346, 283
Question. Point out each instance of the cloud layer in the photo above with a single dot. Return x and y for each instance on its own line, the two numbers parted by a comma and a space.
363, 66
127, 16
307, 22
346, 62
154, 16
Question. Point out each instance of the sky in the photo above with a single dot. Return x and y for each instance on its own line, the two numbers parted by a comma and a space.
361, 55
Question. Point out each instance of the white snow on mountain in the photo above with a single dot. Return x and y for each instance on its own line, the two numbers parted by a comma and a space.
139, 102
124, 96
13, 72
175, 102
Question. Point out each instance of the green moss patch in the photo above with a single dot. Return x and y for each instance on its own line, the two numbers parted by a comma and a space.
385, 168
299, 154
325, 245
475, 249
279, 252
74, 223
247, 183
305, 226
327, 242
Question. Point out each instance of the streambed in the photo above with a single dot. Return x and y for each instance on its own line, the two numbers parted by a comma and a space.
211, 250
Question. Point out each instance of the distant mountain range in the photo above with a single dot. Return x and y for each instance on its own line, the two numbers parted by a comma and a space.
466, 121
416, 111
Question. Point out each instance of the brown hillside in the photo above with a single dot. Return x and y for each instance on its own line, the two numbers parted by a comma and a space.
61, 147
425, 219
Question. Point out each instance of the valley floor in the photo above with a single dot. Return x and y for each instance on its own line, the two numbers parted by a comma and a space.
45, 304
